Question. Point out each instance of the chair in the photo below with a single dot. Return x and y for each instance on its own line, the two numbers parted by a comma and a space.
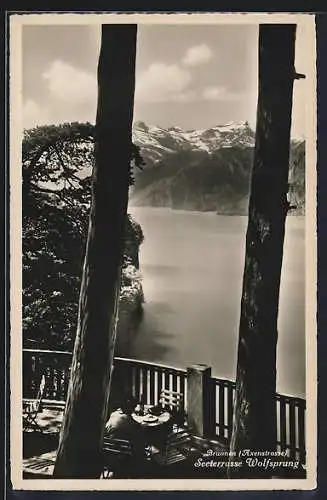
41, 466
178, 447
175, 439
173, 402
184, 446
115, 454
31, 409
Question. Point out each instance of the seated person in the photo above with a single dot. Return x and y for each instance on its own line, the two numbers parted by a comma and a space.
122, 426
120, 422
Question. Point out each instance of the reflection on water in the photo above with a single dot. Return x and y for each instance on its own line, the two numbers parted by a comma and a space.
192, 266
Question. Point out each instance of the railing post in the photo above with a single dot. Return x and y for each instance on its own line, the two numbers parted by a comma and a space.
200, 407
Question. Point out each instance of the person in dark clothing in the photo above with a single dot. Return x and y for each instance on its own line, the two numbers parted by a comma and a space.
122, 426
120, 423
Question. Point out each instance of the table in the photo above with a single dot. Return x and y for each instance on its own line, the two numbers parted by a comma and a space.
155, 427
151, 421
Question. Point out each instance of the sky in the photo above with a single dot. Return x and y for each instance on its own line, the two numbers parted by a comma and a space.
190, 76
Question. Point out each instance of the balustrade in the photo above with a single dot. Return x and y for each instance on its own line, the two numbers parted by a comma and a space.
146, 380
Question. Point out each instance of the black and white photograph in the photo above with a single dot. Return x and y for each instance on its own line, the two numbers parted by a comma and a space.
163, 251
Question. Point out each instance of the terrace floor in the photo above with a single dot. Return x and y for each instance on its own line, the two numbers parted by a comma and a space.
39, 451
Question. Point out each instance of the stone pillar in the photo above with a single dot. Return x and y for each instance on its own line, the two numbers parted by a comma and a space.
199, 400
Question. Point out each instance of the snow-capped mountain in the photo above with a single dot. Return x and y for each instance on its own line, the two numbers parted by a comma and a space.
203, 169
155, 142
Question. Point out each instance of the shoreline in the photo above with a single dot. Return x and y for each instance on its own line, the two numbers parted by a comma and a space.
132, 207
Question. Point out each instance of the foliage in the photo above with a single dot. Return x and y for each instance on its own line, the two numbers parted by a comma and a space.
57, 165
131, 287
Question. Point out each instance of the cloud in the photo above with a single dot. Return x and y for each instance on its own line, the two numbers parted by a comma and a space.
213, 93
162, 82
220, 94
70, 84
187, 96
199, 54
71, 96
33, 114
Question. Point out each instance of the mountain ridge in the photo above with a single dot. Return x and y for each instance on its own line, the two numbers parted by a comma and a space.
206, 169
157, 141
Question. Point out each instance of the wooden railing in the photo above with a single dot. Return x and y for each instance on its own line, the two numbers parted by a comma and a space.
131, 377
146, 380
224, 391
290, 419
54, 365
143, 379
291, 426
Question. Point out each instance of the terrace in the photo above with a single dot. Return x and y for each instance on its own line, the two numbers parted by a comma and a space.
208, 404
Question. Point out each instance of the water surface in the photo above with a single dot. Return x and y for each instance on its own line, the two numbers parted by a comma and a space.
192, 267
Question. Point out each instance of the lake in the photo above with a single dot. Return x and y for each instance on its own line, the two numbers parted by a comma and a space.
192, 267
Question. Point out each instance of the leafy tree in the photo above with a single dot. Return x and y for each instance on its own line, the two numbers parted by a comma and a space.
57, 166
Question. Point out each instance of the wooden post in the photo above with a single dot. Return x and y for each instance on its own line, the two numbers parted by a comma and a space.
199, 416
255, 425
